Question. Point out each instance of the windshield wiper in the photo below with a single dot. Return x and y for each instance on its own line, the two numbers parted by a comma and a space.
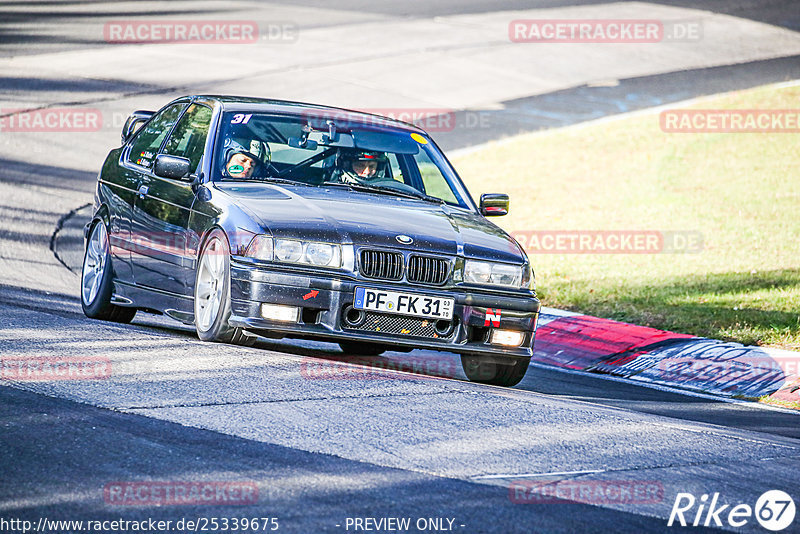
388, 191
279, 180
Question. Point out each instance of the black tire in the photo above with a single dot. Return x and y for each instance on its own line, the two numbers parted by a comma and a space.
496, 370
362, 348
219, 330
99, 306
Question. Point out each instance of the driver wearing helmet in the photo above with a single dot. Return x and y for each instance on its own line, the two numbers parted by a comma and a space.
243, 161
362, 166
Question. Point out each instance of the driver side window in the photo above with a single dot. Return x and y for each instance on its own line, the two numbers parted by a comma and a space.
148, 140
188, 139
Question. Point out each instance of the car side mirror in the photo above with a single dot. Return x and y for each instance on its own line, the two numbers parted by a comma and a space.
133, 123
167, 166
494, 204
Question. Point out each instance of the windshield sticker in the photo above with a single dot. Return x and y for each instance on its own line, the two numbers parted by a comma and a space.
234, 169
419, 139
241, 118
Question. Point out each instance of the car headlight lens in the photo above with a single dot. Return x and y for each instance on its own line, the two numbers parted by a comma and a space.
506, 275
320, 253
260, 248
264, 247
478, 272
496, 274
528, 278
288, 250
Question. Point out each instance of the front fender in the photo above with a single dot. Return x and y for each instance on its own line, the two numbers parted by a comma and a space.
220, 212
100, 214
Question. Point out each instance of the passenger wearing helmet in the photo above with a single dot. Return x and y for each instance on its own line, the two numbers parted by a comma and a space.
362, 166
246, 161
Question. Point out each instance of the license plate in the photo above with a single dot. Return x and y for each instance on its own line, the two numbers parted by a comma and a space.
403, 303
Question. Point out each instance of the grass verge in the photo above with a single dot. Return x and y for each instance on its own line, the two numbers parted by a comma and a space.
739, 192
792, 405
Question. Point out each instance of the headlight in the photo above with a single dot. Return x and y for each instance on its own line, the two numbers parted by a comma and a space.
264, 247
495, 274
260, 248
320, 253
506, 275
478, 272
288, 250
528, 278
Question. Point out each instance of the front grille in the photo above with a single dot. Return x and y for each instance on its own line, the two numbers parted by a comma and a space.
386, 265
397, 324
427, 270
382, 264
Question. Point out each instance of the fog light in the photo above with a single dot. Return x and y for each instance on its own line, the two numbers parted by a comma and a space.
279, 312
509, 338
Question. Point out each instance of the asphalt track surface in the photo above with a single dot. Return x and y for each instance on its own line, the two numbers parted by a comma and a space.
323, 437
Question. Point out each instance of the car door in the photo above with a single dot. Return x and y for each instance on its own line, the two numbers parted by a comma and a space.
117, 190
138, 164
162, 209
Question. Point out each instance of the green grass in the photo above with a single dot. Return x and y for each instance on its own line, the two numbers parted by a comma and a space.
794, 405
741, 192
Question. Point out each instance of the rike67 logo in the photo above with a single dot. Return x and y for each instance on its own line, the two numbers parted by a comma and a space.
774, 510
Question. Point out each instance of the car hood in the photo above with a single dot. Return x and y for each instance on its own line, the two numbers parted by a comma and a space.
340, 215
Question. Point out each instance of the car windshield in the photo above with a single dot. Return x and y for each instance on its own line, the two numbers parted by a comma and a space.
342, 151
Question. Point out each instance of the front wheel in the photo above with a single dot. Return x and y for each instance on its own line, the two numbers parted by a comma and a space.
96, 280
496, 370
212, 294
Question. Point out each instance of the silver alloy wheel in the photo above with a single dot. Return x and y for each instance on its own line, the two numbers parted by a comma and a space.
94, 263
210, 284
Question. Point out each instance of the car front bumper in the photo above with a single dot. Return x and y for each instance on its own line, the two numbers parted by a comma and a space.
323, 299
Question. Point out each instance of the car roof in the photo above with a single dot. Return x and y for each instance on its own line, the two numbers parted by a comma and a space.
288, 107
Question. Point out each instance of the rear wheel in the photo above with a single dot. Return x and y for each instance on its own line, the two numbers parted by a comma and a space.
496, 370
212, 294
361, 348
96, 280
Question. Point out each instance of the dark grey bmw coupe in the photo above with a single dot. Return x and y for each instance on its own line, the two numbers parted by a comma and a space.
247, 216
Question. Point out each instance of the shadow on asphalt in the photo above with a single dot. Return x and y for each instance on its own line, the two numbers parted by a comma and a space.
65, 475
80, 13
775, 13
23, 172
583, 103
16, 84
